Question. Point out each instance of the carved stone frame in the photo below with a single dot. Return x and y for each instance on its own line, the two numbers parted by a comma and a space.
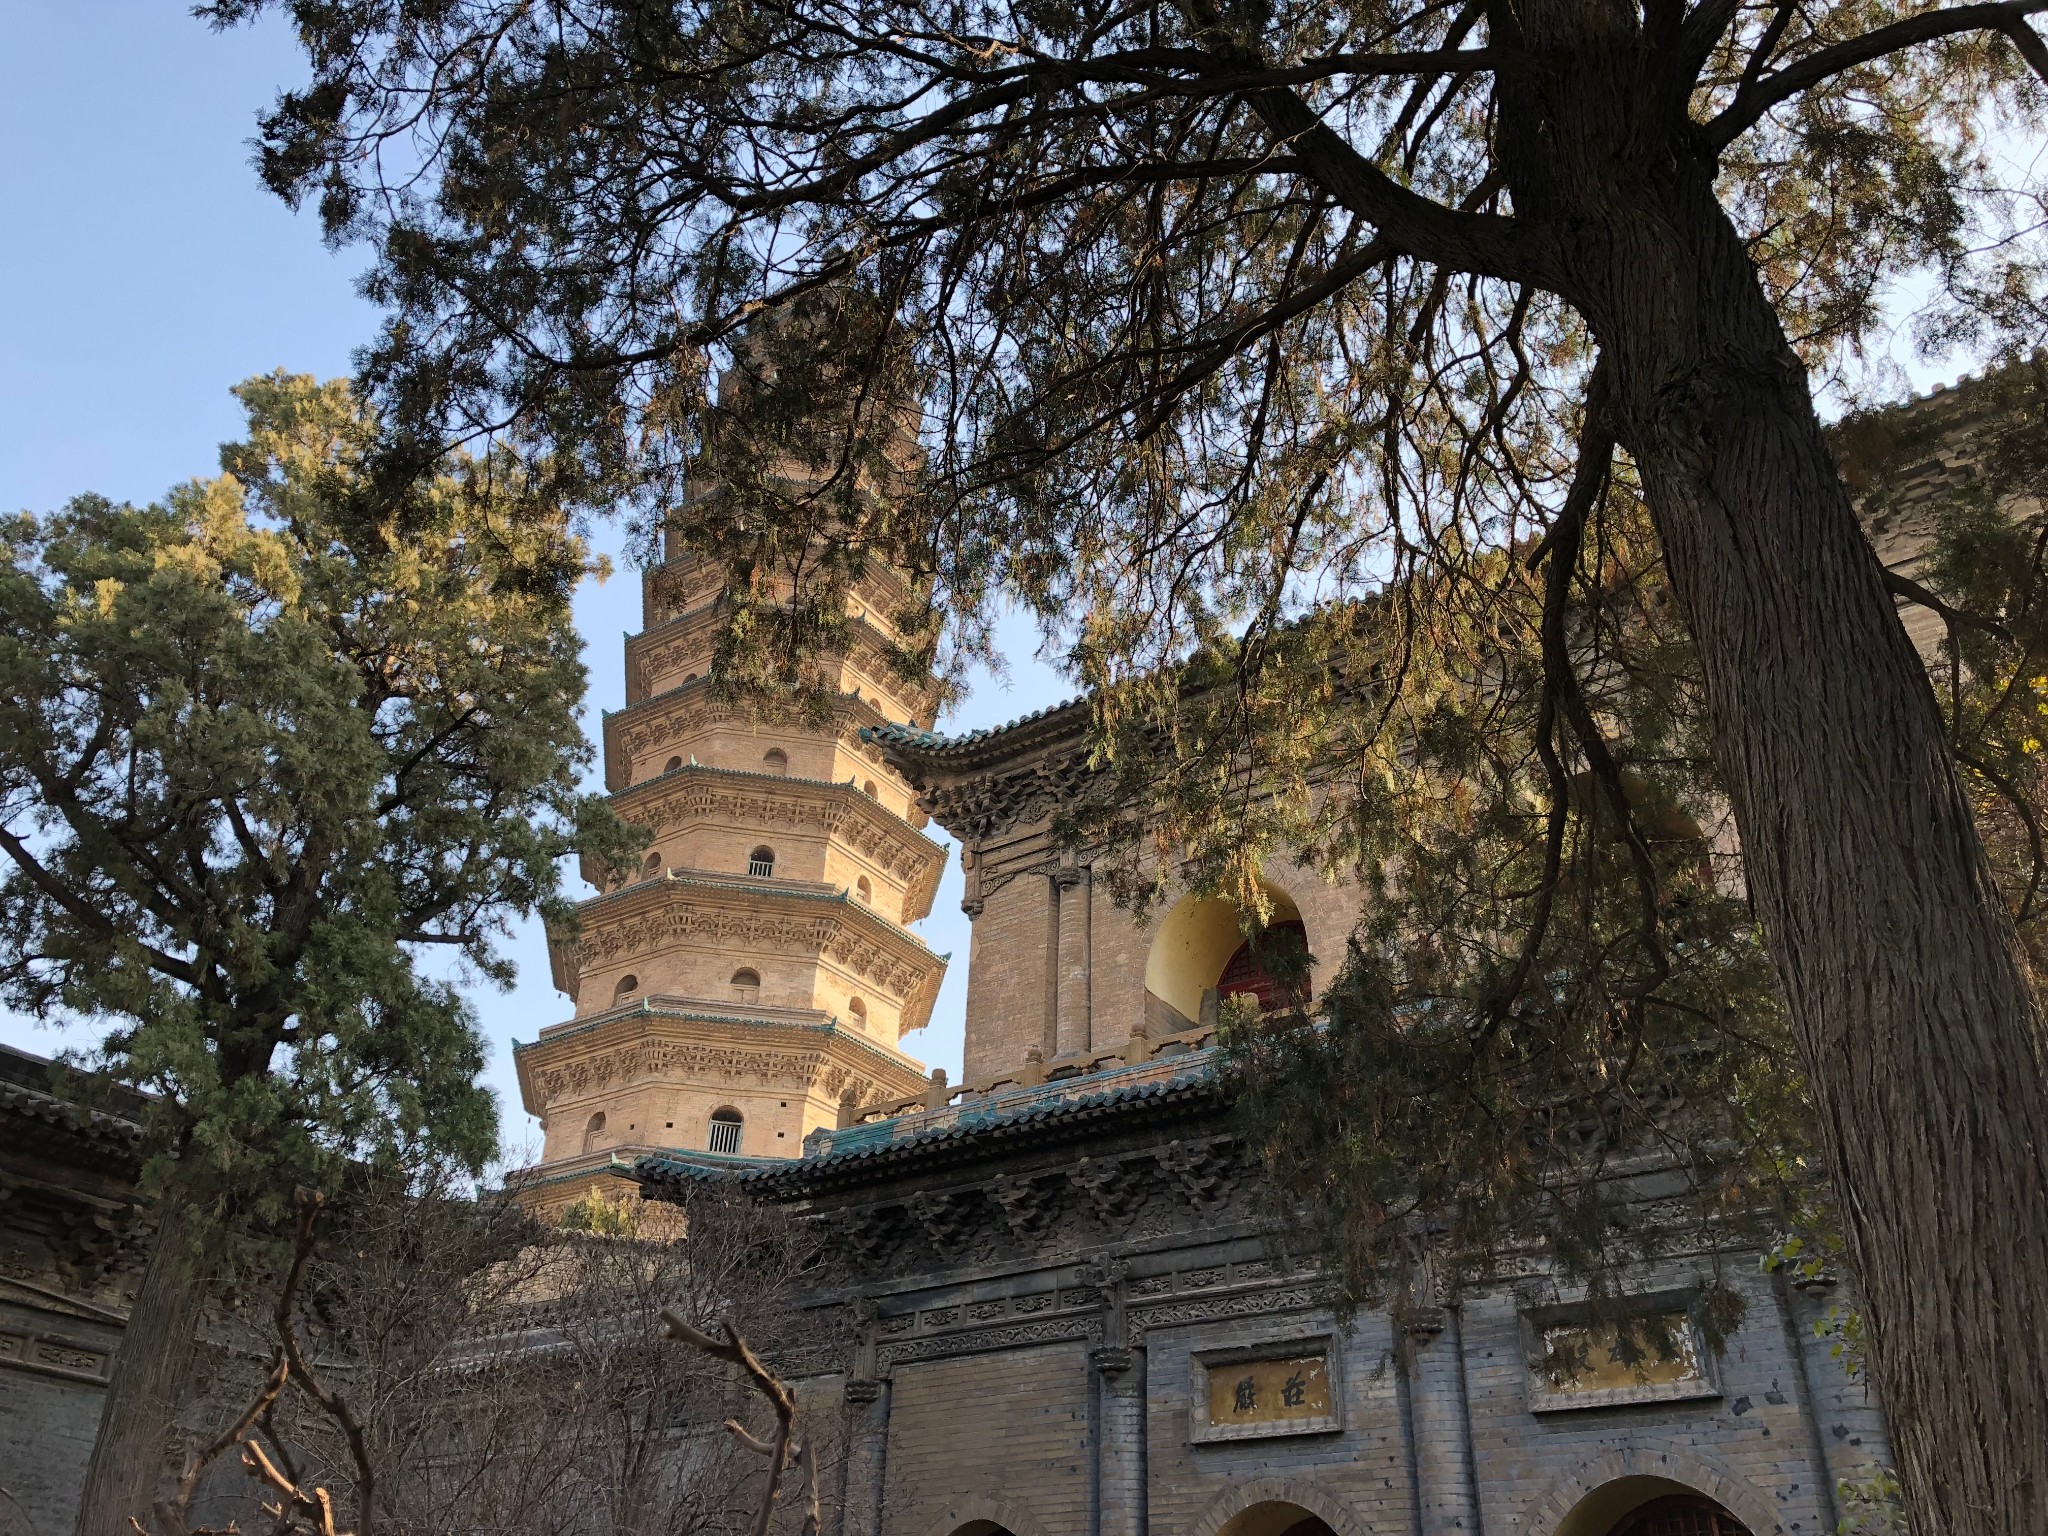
1201, 1431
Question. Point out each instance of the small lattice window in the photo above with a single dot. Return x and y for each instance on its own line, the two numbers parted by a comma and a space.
727, 1126
761, 863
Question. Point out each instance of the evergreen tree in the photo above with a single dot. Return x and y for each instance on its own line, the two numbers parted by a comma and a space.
1216, 310
265, 748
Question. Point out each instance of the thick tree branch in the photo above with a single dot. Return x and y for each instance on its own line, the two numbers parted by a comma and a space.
1490, 245
1560, 546
1770, 90
84, 912
1905, 587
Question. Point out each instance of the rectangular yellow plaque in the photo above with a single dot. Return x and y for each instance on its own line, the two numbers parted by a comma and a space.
1591, 1357
1269, 1391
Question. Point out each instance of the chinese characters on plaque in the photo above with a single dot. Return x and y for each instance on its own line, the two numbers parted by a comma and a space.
1270, 1391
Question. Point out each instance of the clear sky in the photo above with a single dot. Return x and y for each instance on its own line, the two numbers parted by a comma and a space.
147, 271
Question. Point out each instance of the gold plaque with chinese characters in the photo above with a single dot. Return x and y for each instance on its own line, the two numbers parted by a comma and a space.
1653, 1354
1283, 1388
1270, 1391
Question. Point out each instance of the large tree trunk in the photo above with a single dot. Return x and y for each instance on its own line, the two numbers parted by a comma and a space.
151, 1382
1917, 1026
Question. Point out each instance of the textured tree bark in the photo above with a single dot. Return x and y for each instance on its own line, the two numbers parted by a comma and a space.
152, 1376
1917, 1026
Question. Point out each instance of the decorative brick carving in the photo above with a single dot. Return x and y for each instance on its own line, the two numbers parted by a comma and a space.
1114, 1187
1202, 1309
981, 1340
948, 1220
1027, 1204
1205, 1171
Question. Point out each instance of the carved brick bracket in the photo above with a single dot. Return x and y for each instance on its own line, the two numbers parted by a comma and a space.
948, 1220
1113, 1186
1027, 1204
1108, 1274
1205, 1171
1113, 1360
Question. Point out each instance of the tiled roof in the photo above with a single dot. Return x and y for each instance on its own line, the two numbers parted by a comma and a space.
26, 1090
1051, 1112
760, 885
935, 745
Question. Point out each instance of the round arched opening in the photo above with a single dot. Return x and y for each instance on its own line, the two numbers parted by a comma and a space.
628, 985
673, 764
776, 761
1200, 955
1650, 1506
868, 789
857, 1011
746, 986
1275, 1517
593, 1132
652, 866
1270, 968
864, 889
728, 1125
761, 863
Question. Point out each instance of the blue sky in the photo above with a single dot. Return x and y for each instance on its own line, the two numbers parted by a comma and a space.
146, 271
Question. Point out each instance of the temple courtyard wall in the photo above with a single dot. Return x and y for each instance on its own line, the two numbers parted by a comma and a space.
1067, 1311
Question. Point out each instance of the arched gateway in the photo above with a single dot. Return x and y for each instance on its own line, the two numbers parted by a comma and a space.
1679, 1514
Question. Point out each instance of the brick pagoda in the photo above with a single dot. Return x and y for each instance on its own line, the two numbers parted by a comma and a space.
757, 970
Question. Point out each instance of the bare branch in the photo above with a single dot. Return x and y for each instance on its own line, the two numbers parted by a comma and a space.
734, 1350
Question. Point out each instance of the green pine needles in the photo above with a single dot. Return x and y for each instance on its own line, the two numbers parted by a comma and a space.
273, 753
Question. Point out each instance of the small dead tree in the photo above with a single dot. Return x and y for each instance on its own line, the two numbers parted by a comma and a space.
785, 1449
501, 1375
302, 1507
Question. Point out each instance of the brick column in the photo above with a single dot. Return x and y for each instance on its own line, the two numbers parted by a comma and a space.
1446, 1490
1073, 1032
867, 1445
1844, 1415
1119, 1440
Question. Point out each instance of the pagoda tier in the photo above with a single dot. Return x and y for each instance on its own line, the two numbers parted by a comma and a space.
742, 940
657, 1072
835, 833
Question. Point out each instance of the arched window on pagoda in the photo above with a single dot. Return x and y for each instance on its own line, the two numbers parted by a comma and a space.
761, 863
727, 1127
